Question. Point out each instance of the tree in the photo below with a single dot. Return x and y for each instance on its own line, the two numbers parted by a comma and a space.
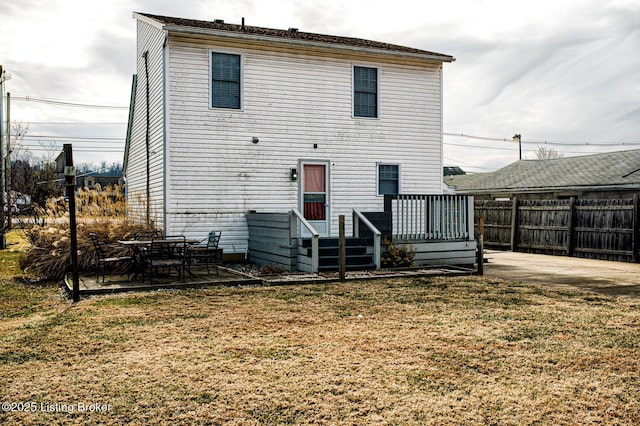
19, 151
21, 177
46, 184
543, 153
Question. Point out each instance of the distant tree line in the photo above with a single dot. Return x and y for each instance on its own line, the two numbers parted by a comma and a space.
38, 178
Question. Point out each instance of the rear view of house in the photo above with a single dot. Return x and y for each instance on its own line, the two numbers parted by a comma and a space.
228, 119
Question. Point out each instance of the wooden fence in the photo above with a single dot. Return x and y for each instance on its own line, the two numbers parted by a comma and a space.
596, 229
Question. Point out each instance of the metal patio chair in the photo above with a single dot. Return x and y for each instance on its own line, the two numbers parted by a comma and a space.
168, 252
102, 260
209, 253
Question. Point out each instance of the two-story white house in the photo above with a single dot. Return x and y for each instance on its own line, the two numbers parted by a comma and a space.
230, 118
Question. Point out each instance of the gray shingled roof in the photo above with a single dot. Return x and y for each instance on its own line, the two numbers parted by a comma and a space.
294, 35
613, 169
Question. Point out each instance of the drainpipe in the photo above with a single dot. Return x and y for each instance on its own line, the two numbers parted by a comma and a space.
147, 143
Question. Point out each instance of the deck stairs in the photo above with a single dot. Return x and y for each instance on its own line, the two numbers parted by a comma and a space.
358, 255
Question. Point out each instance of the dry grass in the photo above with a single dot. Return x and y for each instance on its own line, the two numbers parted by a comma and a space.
404, 351
48, 253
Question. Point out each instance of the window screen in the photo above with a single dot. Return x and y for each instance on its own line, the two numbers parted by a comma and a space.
365, 95
225, 80
388, 179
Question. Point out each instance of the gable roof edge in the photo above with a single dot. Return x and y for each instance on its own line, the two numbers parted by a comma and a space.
232, 31
205, 31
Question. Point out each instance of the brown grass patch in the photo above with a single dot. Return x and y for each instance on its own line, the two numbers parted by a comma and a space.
402, 351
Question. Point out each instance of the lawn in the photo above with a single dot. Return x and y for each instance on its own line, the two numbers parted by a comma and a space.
397, 351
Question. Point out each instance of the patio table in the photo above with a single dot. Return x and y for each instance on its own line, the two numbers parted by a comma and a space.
138, 248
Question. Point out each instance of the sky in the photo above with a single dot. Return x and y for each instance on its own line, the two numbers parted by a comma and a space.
565, 75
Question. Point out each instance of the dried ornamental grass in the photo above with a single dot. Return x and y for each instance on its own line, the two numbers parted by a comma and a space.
49, 256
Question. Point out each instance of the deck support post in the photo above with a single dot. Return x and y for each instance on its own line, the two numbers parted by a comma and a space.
342, 249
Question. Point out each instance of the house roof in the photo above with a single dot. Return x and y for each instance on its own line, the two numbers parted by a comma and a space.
291, 34
589, 172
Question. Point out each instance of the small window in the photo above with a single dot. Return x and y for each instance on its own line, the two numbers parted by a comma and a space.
388, 179
225, 80
365, 92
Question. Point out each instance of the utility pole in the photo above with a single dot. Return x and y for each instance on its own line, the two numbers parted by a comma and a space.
518, 138
64, 162
8, 165
3, 239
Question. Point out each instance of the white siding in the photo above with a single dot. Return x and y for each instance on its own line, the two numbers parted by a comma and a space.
292, 100
150, 39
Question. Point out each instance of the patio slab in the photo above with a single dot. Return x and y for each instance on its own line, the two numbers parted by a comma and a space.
119, 283
231, 277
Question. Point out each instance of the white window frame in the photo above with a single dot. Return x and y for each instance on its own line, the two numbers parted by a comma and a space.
210, 83
353, 91
386, 163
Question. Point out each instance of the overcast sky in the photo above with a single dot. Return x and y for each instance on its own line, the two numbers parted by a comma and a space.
564, 71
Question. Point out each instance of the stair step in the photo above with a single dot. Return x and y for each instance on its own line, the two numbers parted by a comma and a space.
350, 260
335, 251
331, 242
332, 268
357, 257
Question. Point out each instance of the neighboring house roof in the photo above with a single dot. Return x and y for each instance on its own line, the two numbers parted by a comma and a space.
292, 34
620, 170
456, 181
103, 181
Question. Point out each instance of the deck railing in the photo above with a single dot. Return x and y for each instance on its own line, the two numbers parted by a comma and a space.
315, 236
419, 217
377, 235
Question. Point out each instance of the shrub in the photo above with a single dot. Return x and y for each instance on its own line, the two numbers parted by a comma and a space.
49, 256
396, 257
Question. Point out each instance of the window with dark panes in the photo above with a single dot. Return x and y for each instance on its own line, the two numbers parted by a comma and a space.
388, 179
225, 80
365, 92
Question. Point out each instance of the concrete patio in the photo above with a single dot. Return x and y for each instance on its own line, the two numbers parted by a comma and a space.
229, 276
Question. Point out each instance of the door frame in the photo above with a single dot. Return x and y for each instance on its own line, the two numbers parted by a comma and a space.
327, 222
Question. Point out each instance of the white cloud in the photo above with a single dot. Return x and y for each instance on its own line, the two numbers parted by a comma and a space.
551, 70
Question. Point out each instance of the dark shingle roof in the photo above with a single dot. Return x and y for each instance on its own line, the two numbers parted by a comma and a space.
294, 35
613, 169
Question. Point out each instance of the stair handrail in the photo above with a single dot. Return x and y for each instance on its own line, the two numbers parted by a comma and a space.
315, 237
377, 235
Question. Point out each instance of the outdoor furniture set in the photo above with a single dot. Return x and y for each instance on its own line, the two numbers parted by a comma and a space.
153, 254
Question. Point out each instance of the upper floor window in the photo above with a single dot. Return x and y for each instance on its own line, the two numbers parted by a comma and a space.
225, 80
388, 179
365, 92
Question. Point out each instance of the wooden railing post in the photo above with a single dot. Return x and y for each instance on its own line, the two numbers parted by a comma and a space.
377, 235
315, 238
470, 216
342, 249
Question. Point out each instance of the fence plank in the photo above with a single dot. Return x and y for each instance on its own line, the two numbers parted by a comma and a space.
603, 229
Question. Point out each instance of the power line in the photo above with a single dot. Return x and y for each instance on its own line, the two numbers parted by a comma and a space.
481, 147
454, 161
76, 148
545, 142
85, 138
63, 123
65, 103
487, 138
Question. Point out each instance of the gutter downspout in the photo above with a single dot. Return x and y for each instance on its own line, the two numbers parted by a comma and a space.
165, 143
145, 55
